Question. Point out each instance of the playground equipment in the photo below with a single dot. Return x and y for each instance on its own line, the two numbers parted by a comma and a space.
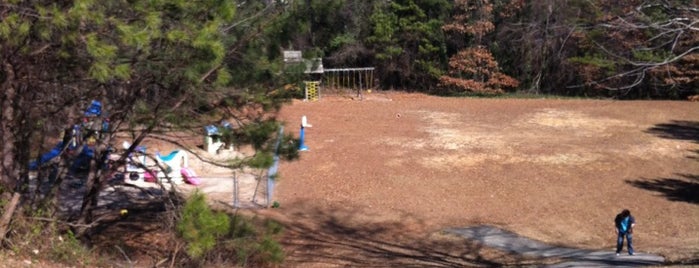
82, 140
358, 79
173, 165
136, 162
189, 176
46, 157
304, 125
212, 138
310, 66
312, 91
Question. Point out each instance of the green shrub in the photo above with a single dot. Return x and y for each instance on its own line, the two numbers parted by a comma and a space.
269, 251
212, 237
200, 227
253, 243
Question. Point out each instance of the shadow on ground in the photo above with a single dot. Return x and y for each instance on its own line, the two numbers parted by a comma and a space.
317, 237
570, 257
677, 130
684, 187
336, 238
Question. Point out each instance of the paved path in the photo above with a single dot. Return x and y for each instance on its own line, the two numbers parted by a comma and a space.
512, 242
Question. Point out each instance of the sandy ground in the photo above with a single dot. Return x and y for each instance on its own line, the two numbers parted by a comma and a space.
385, 175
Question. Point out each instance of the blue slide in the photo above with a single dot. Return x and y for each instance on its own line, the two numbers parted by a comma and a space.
47, 156
95, 109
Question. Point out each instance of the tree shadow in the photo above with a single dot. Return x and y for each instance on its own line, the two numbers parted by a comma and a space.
335, 238
683, 189
695, 155
677, 130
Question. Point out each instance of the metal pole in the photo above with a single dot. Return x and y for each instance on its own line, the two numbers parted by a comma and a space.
360, 81
236, 191
272, 172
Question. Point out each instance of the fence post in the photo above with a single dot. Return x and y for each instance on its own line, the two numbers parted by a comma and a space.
272, 172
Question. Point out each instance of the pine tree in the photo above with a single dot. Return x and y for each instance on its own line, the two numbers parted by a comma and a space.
407, 42
161, 65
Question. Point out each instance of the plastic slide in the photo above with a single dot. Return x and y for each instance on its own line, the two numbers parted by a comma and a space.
189, 176
47, 156
87, 153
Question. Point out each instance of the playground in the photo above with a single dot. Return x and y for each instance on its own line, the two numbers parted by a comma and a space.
385, 176
399, 179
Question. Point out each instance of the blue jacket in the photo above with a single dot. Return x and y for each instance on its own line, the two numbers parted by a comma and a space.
624, 224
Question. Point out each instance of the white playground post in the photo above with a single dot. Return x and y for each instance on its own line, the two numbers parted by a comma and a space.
304, 122
304, 125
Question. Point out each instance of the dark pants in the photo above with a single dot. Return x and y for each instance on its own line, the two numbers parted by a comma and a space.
620, 241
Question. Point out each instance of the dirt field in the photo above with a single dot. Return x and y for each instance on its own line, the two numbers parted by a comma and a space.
386, 174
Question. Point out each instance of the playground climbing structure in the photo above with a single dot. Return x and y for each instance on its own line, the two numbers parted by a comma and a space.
356, 80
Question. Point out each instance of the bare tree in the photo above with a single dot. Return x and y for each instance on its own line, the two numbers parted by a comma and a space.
653, 47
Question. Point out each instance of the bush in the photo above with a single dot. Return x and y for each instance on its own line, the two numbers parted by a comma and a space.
213, 237
200, 227
247, 244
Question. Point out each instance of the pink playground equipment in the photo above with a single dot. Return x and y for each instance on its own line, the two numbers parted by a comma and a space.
189, 176
173, 165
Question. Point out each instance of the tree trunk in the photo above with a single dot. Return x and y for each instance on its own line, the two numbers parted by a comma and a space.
90, 199
7, 215
543, 52
8, 173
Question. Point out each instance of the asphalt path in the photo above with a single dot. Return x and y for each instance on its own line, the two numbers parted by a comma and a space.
572, 257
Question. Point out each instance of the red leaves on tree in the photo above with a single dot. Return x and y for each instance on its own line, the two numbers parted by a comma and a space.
475, 70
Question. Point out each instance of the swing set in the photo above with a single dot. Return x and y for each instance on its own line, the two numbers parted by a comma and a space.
358, 79
355, 79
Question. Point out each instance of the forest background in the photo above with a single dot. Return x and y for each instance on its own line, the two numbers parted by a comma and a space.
620, 49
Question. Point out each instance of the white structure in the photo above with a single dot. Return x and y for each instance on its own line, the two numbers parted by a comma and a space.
313, 66
212, 140
171, 165
212, 143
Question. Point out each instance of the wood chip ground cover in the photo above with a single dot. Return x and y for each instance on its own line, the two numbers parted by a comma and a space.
553, 170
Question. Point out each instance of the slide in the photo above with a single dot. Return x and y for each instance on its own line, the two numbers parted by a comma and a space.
47, 156
189, 176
